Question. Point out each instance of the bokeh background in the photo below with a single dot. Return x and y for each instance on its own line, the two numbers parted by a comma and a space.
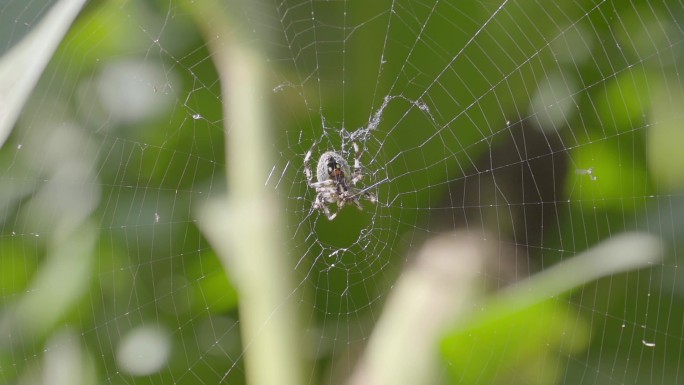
551, 126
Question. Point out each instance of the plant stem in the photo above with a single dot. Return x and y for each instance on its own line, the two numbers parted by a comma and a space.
247, 227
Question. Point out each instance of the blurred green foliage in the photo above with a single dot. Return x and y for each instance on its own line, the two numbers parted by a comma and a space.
518, 348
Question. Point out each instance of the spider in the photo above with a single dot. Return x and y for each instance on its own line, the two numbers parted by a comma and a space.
336, 184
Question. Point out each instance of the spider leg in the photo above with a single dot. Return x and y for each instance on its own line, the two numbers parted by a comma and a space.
328, 214
358, 205
307, 169
358, 193
372, 198
358, 175
325, 196
320, 205
322, 186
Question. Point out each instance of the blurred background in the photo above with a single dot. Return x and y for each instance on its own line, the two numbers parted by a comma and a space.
539, 128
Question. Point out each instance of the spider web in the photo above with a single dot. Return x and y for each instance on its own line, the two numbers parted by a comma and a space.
548, 126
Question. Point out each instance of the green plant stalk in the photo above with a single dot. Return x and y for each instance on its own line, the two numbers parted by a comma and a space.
621, 253
247, 227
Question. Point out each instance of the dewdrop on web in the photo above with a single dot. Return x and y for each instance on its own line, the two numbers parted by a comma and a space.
589, 171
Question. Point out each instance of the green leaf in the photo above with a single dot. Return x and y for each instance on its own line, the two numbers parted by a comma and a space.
528, 347
22, 66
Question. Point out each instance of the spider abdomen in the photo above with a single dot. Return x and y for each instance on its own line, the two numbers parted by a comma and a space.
332, 166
